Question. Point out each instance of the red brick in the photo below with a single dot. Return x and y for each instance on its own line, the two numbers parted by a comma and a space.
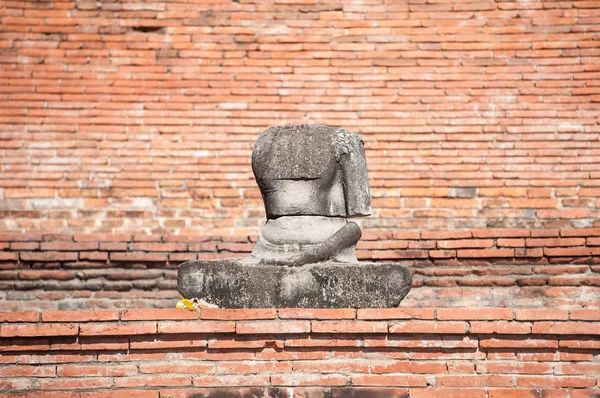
516, 392
465, 243
104, 343
517, 343
74, 383
481, 253
153, 381
503, 192
501, 327
177, 327
448, 393
587, 369
409, 367
29, 193
48, 256
117, 329
424, 192
250, 367
120, 394
579, 343
232, 314
26, 370
39, 330
555, 242
5, 256
244, 343
80, 316
19, 316
535, 368
68, 246
141, 257
299, 379
428, 327
585, 315
182, 367
554, 381
231, 380
389, 381
447, 314
349, 327
445, 234
21, 237
96, 370
266, 327
568, 252
505, 242
395, 313
334, 366
580, 232
158, 247
474, 381
316, 313
541, 314
157, 314
563, 328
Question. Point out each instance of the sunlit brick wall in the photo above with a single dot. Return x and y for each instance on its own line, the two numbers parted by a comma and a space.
139, 117
322, 353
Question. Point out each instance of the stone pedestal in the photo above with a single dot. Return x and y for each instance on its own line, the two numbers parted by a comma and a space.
232, 283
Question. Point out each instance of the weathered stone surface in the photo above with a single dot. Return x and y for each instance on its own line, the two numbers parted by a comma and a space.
311, 178
310, 169
234, 283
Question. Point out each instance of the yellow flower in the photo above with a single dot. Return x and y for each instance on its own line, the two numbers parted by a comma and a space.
185, 304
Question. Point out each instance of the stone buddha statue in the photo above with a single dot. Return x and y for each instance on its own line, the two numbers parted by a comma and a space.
312, 179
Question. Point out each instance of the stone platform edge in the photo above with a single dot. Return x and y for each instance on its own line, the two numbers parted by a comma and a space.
399, 352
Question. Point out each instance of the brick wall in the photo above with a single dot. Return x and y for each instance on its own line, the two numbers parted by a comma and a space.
392, 353
551, 268
131, 117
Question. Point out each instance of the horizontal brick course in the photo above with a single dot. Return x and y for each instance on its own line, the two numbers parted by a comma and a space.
120, 278
416, 358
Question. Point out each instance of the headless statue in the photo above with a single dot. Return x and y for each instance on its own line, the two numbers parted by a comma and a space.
312, 178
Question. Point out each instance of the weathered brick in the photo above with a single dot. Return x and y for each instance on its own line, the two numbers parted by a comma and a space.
316, 313
48, 256
233, 314
96, 370
116, 329
500, 327
448, 393
541, 314
157, 314
395, 313
153, 381
19, 316
562, 328
427, 327
584, 314
80, 316
39, 330
264, 327
349, 327
300, 379
471, 314
391, 381
169, 327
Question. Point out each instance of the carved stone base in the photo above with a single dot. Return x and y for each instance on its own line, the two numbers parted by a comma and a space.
234, 283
